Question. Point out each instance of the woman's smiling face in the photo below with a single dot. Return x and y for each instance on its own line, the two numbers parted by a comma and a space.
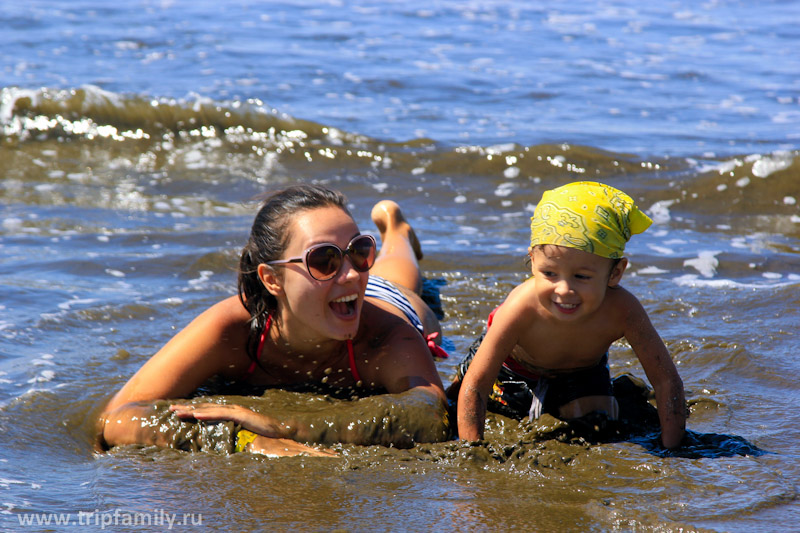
323, 310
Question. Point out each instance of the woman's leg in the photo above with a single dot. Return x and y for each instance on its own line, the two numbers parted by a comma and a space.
397, 261
274, 447
400, 249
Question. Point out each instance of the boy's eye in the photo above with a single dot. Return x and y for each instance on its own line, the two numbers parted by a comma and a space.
583, 276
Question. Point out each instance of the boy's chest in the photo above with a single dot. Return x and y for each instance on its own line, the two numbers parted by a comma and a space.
544, 348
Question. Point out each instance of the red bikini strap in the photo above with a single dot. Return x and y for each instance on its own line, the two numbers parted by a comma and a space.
264, 331
353, 369
252, 367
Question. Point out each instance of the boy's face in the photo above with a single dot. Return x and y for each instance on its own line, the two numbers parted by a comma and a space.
571, 284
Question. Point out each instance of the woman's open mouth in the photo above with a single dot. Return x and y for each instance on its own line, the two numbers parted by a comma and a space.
345, 307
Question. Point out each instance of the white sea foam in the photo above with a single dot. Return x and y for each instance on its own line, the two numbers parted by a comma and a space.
766, 165
693, 280
205, 275
12, 223
8, 102
69, 304
706, 263
44, 376
498, 149
504, 189
172, 301
6, 483
659, 211
661, 249
722, 167
651, 270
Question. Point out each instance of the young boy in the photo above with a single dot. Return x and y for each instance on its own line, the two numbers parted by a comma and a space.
548, 342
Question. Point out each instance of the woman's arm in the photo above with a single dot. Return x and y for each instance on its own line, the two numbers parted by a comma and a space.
413, 410
400, 420
660, 371
211, 344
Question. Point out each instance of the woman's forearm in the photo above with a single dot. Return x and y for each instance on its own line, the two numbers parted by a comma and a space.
399, 420
131, 423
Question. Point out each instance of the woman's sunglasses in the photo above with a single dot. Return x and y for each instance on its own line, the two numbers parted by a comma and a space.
324, 261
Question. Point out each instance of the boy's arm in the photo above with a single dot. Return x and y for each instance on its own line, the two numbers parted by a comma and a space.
472, 399
476, 385
661, 372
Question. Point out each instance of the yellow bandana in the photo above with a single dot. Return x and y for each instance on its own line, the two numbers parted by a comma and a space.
588, 216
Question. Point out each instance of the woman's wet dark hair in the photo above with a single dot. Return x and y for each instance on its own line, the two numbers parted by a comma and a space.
268, 240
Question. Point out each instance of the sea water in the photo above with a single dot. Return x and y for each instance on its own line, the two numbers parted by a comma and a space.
134, 137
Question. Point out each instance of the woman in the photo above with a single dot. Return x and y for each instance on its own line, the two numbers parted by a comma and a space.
308, 313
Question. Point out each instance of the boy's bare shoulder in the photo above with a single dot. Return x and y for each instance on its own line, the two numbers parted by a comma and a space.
519, 307
522, 293
623, 299
624, 308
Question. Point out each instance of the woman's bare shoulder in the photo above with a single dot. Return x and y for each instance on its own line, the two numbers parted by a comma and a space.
228, 311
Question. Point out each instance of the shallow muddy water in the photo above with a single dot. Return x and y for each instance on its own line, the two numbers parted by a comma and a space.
133, 139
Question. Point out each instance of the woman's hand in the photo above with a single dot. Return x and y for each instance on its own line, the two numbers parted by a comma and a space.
247, 418
271, 439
